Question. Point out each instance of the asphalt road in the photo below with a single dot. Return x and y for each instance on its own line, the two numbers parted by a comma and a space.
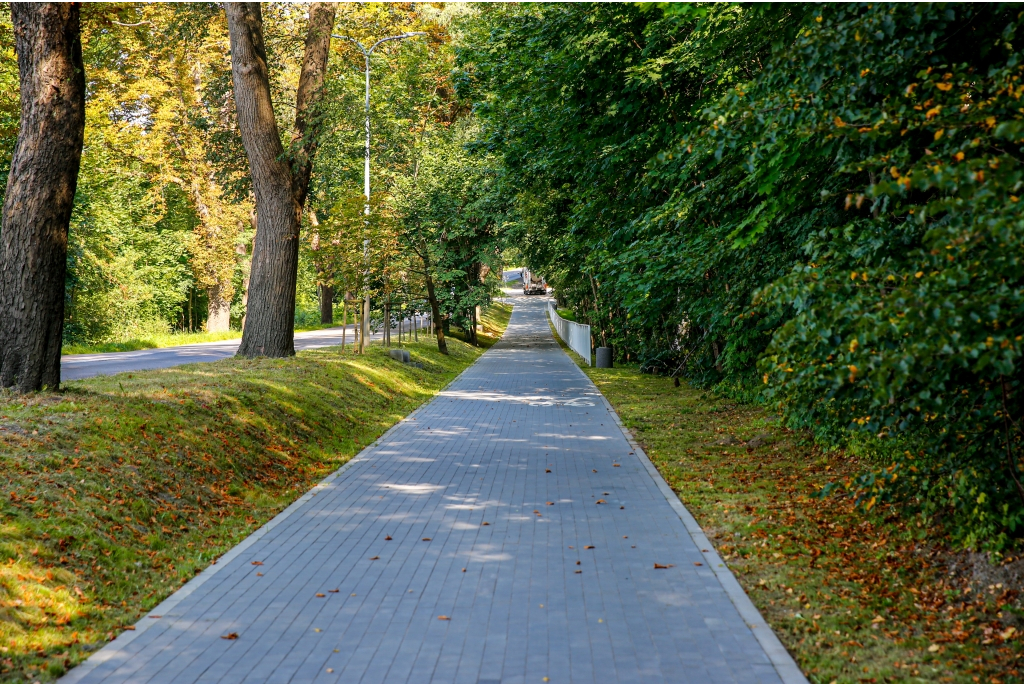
77, 366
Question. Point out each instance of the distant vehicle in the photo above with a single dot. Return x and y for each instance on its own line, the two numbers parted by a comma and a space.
533, 284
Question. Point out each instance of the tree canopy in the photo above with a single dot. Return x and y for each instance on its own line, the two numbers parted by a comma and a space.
816, 207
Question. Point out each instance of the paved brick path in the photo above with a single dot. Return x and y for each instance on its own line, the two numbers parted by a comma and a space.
561, 584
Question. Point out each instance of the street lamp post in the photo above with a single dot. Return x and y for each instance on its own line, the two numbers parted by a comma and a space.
366, 171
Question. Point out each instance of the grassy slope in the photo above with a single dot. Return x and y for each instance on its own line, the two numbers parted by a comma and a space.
854, 597
119, 489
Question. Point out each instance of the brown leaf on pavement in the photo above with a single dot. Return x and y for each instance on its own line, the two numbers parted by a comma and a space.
485, 523
657, 565
334, 590
588, 547
601, 501
387, 537
320, 594
443, 618
547, 470
257, 563
697, 563
426, 539
374, 558
229, 636
550, 503
615, 465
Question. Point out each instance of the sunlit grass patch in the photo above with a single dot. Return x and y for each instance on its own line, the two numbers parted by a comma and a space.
119, 489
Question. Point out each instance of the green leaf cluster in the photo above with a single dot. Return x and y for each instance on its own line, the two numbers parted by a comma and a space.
815, 205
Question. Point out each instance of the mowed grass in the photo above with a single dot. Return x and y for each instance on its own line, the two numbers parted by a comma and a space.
854, 596
119, 489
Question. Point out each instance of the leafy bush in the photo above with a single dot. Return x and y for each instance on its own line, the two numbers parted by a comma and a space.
820, 201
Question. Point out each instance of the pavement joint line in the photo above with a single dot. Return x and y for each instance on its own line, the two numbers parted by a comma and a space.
113, 648
782, 660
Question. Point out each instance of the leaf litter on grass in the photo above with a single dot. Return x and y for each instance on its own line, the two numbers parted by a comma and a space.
855, 596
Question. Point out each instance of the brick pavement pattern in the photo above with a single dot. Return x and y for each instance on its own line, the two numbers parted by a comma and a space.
505, 532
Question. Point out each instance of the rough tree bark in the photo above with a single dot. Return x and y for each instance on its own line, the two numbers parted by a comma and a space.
40, 193
326, 303
280, 181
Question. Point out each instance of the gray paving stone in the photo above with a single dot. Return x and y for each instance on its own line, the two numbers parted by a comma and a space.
478, 452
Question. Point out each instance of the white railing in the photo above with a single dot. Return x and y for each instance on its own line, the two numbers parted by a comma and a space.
575, 335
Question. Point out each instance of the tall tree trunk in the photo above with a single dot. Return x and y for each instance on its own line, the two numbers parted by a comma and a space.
247, 265
326, 303
435, 309
280, 182
218, 311
40, 193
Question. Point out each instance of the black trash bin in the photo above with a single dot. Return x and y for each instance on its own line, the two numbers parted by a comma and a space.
604, 357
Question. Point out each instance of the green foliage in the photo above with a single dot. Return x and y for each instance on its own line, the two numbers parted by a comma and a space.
819, 203
449, 215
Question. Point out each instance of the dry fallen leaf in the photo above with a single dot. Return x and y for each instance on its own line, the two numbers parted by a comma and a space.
320, 594
547, 470
614, 464
622, 507
588, 547
577, 563
443, 618
374, 558
426, 539
229, 636
601, 501
257, 563
594, 470
657, 565
704, 550
485, 523
330, 670
317, 630
155, 616
387, 537
578, 571
334, 590
697, 563
463, 570
550, 503
258, 573
129, 627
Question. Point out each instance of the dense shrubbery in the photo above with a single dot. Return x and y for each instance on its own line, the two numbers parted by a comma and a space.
817, 205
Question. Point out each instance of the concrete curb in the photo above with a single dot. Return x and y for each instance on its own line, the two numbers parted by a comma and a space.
114, 647
781, 659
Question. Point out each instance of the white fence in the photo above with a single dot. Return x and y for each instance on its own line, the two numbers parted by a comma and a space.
575, 335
